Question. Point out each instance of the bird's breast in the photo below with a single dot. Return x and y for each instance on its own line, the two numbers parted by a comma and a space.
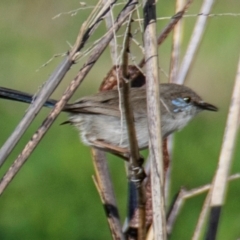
173, 123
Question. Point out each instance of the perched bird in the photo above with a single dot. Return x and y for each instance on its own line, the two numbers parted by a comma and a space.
101, 122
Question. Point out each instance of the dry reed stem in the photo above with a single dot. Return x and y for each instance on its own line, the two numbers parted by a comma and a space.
109, 19
154, 119
219, 186
174, 65
150, 233
202, 217
161, 38
135, 164
176, 44
187, 61
174, 20
195, 41
34, 109
106, 192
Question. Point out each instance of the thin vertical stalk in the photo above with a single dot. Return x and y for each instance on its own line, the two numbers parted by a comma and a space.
174, 20
176, 44
225, 160
195, 40
174, 65
154, 121
106, 192
134, 150
109, 19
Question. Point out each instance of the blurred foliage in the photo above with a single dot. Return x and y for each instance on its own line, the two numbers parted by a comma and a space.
53, 196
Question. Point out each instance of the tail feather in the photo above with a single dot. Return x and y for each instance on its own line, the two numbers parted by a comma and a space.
19, 96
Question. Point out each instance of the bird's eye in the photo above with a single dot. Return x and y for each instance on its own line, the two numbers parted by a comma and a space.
187, 99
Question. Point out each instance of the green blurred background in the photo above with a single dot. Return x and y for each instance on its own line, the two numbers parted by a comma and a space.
53, 196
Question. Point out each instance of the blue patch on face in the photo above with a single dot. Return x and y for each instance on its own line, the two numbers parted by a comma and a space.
180, 104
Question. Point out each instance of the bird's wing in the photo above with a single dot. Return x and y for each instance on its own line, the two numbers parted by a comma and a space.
101, 103
106, 103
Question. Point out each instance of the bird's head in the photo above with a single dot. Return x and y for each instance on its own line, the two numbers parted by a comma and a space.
181, 99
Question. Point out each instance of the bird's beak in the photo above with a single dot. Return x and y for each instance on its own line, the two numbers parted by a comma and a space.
207, 106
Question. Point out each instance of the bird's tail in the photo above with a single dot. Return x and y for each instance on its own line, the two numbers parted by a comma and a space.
19, 96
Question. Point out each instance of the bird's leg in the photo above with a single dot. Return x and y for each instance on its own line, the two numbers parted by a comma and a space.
118, 151
137, 173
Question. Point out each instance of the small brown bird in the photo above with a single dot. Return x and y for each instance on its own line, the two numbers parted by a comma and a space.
101, 122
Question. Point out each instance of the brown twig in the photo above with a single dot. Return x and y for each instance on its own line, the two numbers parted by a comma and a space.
134, 150
106, 192
66, 96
